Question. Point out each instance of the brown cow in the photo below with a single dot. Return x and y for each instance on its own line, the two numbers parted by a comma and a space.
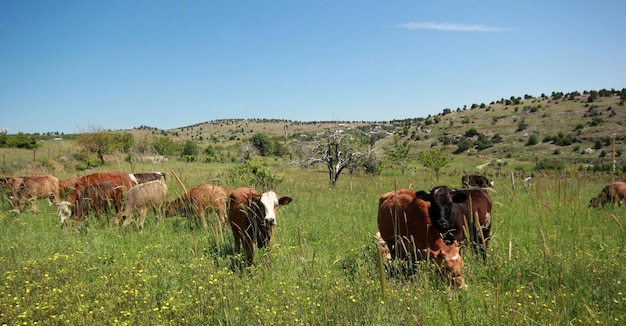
11, 188
253, 218
33, 188
118, 178
404, 225
612, 193
141, 198
475, 180
201, 199
452, 216
99, 197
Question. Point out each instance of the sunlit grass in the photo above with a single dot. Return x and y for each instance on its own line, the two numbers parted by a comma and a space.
552, 261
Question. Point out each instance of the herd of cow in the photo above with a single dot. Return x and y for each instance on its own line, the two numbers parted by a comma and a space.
432, 225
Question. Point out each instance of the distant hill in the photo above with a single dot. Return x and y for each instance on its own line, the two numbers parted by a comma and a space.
563, 128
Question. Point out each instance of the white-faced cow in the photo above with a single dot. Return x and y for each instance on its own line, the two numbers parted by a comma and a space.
457, 211
252, 218
405, 226
612, 193
200, 200
151, 195
475, 180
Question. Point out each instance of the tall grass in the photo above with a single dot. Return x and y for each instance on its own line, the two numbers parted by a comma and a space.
551, 261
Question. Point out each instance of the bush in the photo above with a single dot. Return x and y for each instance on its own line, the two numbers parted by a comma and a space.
254, 175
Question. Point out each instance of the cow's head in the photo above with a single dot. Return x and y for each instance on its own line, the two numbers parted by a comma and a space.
441, 199
450, 262
268, 204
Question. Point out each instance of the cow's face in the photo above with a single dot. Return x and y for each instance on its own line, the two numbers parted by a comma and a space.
269, 203
451, 263
441, 200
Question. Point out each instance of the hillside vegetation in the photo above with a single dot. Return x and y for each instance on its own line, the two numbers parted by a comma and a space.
557, 131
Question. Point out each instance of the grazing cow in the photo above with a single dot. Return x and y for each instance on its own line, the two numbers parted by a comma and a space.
34, 188
253, 218
118, 178
404, 225
141, 198
145, 177
457, 211
100, 198
201, 199
11, 187
612, 193
475, 180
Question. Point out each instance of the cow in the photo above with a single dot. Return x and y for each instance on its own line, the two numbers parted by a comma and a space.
405, 227
201, 199
11, 187
145, 177
252, 218
139, 199
100, 198
475, 180
118, 178
612, 193
33, 188
456, 212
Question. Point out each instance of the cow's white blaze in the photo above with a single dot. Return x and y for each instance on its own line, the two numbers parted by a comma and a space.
270, 204
63, 210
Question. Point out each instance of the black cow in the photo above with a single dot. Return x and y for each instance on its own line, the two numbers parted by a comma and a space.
475, 180
450, 214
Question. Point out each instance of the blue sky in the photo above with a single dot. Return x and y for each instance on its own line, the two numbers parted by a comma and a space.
70, 66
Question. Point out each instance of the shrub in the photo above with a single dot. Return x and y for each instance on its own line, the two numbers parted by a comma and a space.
253, 174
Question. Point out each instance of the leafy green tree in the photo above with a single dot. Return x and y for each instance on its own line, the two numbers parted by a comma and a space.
102, 142
165, 146
533, 140
262, 142
435, 160
190, 151
399, 153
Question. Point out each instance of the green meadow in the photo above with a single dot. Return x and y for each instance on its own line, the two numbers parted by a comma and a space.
552, 260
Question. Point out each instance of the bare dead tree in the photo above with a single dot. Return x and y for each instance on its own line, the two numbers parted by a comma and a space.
336, 153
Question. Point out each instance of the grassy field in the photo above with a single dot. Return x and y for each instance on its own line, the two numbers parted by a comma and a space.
552, 261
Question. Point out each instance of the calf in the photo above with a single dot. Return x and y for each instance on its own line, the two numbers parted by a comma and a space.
405, 227
141, 198
461, 214
33, 188
612, 193
201, 199
475, 180
252, 218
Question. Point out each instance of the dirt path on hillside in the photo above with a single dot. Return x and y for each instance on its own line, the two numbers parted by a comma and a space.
482, 166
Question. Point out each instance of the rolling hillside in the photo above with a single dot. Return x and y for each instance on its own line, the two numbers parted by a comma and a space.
568, 128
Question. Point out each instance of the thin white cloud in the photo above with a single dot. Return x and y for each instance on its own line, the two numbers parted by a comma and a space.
450, 27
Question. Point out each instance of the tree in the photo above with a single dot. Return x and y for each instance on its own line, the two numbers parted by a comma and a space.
336, 153
190, 151
262, 142
102, 142
435, 160
399, 153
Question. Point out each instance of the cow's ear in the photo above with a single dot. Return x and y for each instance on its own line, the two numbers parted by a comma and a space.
284, 200
459, 197
423, 195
